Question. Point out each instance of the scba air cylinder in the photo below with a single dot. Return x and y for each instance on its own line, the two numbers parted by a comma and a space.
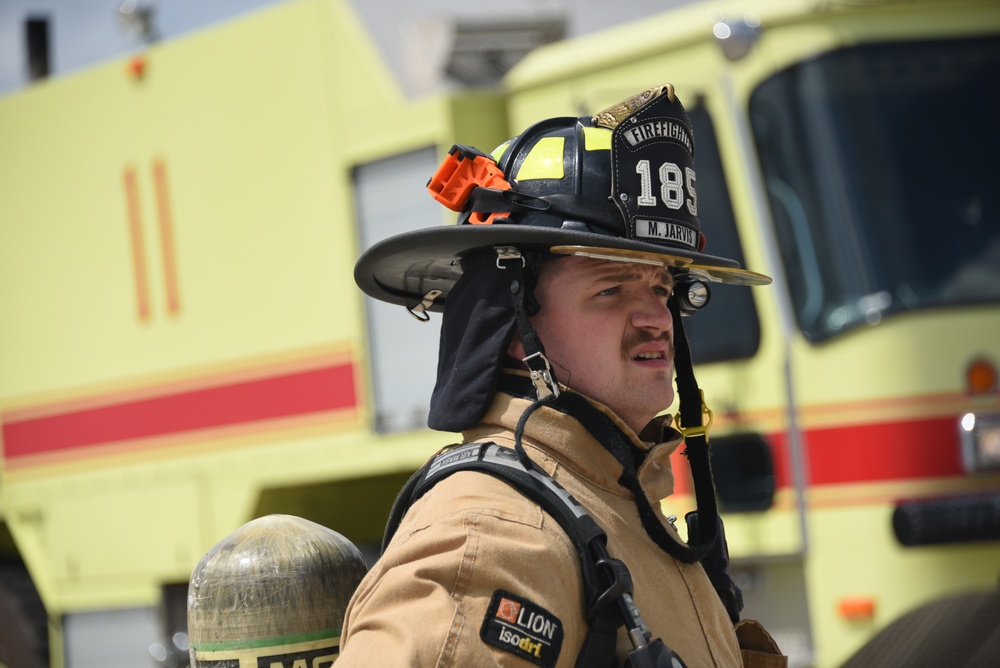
273, 592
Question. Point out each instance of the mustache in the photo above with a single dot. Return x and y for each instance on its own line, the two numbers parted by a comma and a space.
638, 337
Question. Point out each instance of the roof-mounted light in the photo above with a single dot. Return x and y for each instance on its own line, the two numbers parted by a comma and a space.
735, 36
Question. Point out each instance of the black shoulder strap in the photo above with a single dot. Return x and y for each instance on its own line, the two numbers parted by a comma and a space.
607, 583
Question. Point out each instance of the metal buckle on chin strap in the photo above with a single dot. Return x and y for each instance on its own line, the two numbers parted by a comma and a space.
420, 310
505, 253
541, 378
697, 430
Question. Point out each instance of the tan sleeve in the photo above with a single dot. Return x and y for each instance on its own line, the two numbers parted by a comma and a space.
757, 648
432, 599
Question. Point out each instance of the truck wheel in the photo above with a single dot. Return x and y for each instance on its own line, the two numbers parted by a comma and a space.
24, 632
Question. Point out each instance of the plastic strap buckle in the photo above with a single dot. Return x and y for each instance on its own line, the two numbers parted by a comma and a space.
620, 580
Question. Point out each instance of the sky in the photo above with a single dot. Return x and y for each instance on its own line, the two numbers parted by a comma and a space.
84, 33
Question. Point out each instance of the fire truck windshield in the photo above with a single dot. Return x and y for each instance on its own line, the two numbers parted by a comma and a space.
882, 167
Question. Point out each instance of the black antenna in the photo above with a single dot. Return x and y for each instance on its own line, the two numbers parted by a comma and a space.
36, 37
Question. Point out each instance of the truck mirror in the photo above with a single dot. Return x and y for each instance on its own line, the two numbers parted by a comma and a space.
744, 473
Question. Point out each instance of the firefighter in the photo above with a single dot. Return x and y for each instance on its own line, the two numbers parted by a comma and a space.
577, 250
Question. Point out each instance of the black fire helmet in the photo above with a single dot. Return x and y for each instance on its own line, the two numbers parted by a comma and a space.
619, 186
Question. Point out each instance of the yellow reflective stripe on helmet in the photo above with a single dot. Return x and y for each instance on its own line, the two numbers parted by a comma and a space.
596, 139
499, 151
544, 160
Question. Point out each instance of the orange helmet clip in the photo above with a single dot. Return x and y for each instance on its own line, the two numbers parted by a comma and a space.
463, 170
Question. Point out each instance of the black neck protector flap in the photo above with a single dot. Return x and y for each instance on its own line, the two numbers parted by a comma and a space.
476, 331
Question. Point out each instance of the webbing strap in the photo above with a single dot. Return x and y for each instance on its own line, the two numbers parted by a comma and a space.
605, 580
696, 444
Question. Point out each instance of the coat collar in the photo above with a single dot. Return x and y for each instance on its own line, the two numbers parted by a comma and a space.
554, 438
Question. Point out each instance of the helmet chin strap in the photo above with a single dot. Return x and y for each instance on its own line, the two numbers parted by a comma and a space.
693, 420
542, 377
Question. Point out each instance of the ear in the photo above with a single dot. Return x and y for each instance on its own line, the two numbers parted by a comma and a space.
516, 348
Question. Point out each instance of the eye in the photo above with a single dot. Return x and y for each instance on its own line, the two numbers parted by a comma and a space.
663, 291
613, 290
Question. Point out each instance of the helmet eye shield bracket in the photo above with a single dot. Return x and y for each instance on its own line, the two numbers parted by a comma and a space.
600, 217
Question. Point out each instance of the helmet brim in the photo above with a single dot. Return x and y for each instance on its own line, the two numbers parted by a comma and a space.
404, 268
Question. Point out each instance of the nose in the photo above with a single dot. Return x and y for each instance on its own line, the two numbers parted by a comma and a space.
650, 312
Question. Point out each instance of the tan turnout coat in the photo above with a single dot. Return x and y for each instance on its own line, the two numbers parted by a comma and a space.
427, 601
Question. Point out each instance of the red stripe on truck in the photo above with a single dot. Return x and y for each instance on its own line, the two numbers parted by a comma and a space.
898, 450
292, 394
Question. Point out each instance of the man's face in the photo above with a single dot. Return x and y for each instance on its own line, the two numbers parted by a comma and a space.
607, 331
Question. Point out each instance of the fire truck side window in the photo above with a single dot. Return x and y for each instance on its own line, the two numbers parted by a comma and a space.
881, 170
727, 329
390, 198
